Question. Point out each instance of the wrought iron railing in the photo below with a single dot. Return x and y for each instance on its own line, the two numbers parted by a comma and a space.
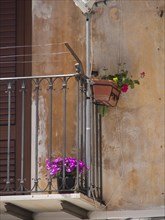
64, 98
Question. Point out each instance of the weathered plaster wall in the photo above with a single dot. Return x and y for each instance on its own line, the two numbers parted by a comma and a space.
53, 24
133, 132
130, 31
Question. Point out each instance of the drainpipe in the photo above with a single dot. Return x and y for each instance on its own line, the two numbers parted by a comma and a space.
88, 103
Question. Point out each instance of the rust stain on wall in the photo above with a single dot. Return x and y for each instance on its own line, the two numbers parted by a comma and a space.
133, 180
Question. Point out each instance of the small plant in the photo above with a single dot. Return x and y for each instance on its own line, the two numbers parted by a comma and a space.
55, 166
122, 79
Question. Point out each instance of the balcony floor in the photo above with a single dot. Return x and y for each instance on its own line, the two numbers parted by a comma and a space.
40, 204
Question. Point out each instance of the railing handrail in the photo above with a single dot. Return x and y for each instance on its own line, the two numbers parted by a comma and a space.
40, 77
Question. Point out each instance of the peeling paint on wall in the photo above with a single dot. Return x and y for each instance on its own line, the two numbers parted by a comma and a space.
42, 131
42, 135
42, 10
133, 132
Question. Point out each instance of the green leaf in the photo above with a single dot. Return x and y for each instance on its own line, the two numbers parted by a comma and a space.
103, 110
131, 84
136, 81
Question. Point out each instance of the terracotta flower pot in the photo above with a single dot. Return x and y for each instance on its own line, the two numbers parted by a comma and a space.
106, 92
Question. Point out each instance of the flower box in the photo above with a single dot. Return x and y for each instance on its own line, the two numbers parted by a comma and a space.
68, 186
66, 183
105, 92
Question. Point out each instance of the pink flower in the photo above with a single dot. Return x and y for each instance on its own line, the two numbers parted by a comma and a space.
124, 88
55, 167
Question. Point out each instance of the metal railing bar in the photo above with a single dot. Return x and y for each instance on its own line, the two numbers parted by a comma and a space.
64, 132
100, 146
50, 117
36, 135
77, 129
40, 77
22, 132
81, 122
9, 88
50, 127
84, 130
97, 149
81, 156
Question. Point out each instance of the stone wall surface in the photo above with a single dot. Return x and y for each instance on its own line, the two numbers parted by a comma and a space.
123, 31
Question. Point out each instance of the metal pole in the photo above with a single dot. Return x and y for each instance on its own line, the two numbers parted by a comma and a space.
88, 104
92, 149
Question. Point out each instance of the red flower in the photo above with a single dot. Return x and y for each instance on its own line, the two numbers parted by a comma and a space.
124, 88
142, 75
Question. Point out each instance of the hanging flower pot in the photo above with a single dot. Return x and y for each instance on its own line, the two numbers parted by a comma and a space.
105, 92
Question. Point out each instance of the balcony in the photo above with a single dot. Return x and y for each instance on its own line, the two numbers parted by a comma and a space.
40, 117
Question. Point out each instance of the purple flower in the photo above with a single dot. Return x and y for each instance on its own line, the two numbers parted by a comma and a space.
55, 167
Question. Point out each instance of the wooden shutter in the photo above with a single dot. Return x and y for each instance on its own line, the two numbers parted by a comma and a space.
7, 58
3, 164
14, 14
7, 69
